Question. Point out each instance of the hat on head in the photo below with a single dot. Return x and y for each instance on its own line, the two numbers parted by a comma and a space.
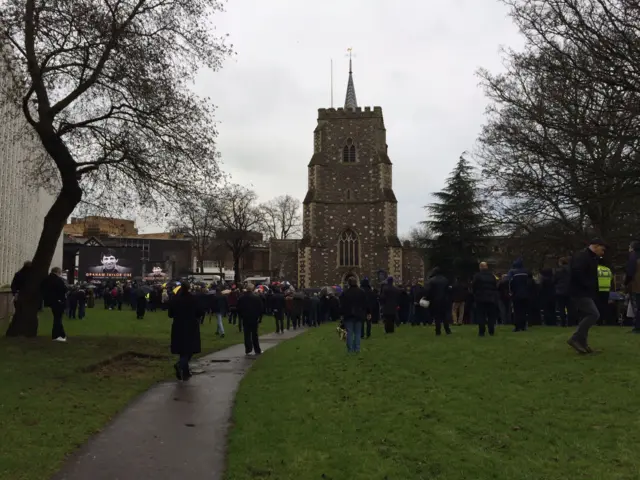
597, 241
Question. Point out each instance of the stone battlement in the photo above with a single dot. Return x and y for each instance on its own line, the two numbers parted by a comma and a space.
359, 112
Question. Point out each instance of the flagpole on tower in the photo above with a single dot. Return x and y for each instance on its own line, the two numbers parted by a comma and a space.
332, 83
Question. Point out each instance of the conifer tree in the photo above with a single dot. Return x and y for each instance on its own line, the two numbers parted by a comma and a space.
458, 224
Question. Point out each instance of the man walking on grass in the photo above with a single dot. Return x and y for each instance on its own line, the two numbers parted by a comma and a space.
53, 293
355, 310
584, 292
249, 310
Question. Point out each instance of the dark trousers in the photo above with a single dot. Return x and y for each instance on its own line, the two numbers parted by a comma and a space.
520, 311
81, 307
183, 363
279, 321
604, 309
367, 327
566, 310
440, 314
588, 312
485, 317
141, 308
233, 315
73, 307
420, 315
251, 342
389, 322
296, 320
58, 329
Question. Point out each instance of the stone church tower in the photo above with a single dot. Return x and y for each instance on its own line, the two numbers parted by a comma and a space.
350, 210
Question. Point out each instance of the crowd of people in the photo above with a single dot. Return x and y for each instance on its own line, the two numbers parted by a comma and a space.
580, 292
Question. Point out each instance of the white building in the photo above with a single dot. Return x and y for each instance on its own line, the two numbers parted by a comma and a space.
22, 207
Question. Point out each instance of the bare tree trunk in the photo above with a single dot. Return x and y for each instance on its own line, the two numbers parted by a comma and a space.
237, 278
25, 318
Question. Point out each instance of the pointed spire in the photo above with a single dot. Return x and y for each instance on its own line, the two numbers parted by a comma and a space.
350, 101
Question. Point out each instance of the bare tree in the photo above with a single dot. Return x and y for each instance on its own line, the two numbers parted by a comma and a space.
194, 219
560, 147
105, 86
281, 218
239, 219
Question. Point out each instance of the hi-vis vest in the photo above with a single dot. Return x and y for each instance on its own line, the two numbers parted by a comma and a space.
605, 277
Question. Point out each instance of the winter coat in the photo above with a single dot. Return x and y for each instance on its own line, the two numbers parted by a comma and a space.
19, 280
521, 284
54, 291
277, 303
218, 303
389, 299
485, 287
562, 280
250, 307
354, 305
459, 292
186, 312
584, 274
298, 303
438, 289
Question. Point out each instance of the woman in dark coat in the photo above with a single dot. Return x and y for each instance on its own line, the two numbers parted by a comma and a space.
186, 311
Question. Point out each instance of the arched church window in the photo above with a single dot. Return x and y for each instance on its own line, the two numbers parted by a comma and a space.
349, 152
348, 249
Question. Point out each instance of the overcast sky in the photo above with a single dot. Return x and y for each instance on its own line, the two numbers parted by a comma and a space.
415, 59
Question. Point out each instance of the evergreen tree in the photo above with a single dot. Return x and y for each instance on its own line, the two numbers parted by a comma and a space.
458, 224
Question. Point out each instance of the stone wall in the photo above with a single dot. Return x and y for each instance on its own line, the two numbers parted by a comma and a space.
353, 196
22, 206
413, 267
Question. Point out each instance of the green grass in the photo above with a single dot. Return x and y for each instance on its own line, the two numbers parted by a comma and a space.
53, 396
414, 406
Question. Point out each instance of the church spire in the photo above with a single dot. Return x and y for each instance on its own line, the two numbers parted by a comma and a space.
350, 101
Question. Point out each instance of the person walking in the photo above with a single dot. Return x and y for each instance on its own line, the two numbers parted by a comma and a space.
485, 295
81, 296
314, 315
521, 291
584, 292
439, 295
389, 298
72, 302
249, 310
141, 302
459, 294
372, 300
548, 297
278, 308
53, 293
219, 308
185, 310
355, 311
632, 283
562, 284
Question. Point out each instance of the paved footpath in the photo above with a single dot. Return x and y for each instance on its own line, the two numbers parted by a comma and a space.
174, 431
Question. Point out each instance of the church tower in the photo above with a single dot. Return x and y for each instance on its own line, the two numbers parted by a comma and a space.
350, 210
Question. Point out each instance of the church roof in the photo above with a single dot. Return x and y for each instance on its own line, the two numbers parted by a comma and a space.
350, 100
317, 159
388, 195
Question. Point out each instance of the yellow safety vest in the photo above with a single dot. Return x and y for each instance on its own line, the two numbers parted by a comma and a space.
605, 277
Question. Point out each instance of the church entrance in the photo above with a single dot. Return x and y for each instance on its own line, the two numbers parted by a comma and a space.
349, 275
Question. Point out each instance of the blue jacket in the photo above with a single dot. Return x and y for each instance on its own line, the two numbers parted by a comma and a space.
520, 281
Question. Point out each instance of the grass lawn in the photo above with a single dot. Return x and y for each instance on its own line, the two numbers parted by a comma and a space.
414, 406
53, 396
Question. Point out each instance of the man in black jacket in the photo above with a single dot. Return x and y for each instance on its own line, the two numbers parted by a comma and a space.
485, 295
54, 291
372, 302
355, 310
19, 279
438, 292
584, 291
389, 298
562, 283
249, 310
277, 307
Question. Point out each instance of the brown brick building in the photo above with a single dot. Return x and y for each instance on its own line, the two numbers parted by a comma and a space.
350, 210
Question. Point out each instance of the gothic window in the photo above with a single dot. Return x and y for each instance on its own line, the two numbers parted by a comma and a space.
349, 152
348, 249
